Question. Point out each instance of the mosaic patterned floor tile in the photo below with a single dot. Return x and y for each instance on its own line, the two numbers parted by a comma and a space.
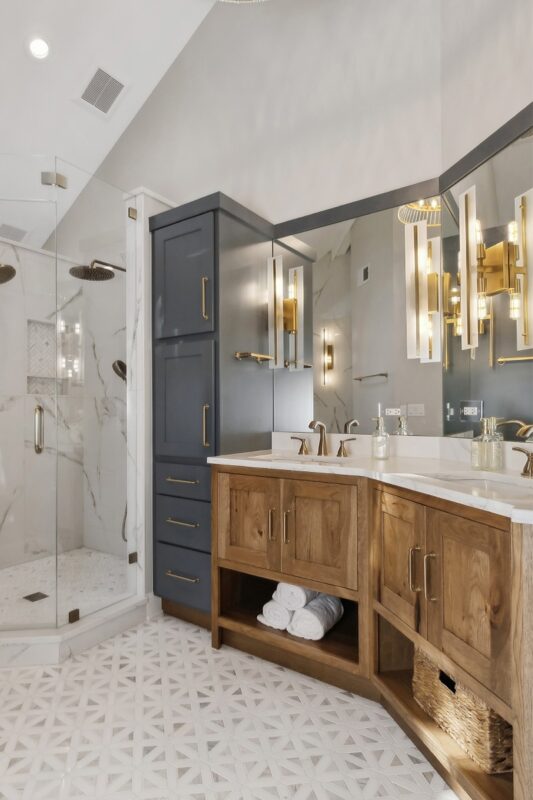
156, 714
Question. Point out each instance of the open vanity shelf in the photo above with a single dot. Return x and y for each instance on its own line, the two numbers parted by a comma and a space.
242, 597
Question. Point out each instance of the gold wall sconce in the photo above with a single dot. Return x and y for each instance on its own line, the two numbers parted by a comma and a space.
486, 272
285, 316
423, 305
328, 356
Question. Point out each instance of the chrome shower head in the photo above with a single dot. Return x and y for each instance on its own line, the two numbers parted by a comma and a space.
95, 271
7, 273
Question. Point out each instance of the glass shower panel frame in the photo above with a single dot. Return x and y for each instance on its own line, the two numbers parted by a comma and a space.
93, 568
28, 397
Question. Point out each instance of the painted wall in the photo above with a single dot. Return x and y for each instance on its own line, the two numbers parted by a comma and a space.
292, 106
487, 69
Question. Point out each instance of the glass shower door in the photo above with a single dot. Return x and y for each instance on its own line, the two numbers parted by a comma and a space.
28, 414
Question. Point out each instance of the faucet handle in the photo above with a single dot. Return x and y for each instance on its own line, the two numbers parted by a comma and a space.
527, 472
352, 423
304, 449
341, 452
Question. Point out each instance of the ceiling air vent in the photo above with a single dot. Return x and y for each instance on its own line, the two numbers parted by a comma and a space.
102, 91
11, 232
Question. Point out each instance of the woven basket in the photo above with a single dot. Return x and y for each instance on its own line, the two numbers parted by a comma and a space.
477, 729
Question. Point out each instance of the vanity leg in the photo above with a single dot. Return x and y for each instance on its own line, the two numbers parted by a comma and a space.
522, 658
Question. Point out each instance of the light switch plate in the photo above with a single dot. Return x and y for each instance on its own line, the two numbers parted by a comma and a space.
471, 410
393, 412
416, 410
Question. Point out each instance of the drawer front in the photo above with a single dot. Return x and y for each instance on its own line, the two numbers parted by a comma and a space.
183, 576
183, 522
183, 480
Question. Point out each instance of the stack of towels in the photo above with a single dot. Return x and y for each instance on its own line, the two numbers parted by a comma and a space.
302, 612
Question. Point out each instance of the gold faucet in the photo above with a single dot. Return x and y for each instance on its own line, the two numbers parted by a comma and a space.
527, 472
315, 425
342, 452
304, 449
352, 423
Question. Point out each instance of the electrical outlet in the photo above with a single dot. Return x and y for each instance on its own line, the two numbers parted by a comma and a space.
416, 410
393, 412
471, 410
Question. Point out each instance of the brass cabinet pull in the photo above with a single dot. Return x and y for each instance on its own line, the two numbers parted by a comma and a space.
431, 598
205, 409
184, 578
170, 479
205, 315
411, 568
38, 429
271, 537
286, 539
173, 521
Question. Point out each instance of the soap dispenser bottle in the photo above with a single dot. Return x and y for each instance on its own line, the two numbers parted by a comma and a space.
380, 440
403, 430
478, 449
493, 447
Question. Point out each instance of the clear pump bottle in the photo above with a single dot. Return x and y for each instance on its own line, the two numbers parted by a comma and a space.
493, 447
380, 440
478, 450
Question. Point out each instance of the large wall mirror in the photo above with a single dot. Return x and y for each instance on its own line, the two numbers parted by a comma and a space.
424, 311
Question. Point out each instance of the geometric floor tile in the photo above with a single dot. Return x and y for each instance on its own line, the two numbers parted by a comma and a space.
156, 714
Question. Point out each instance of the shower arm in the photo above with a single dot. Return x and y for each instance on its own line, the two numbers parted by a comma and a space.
106, 264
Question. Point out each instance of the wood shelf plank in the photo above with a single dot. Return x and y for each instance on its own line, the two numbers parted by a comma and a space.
395, 688
337, 649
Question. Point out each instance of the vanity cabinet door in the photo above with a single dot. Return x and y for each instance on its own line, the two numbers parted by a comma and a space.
184, 270
468, 585
400, 544
248, 520
319, 532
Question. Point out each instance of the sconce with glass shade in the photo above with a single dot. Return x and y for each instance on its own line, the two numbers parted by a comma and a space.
422, 281
468, 268
328, 356
285, 316
521, 231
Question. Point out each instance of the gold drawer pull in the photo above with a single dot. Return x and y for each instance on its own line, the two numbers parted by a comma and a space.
286, 539
170, 479
429, 597
184, 578
205, 315
411, 568
173, 521
205, 409
271, 537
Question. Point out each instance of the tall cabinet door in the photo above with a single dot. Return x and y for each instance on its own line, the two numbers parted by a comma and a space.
468, 580
319, 532
184, 396
184, 270
400, 542
248, 520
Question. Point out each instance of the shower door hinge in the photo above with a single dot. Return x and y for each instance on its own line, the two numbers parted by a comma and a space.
132, 558
132, 213
74, 615
54, 179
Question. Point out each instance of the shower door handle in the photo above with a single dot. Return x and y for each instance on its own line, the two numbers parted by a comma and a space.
38, 429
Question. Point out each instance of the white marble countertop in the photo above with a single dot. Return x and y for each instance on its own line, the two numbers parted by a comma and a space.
502, 493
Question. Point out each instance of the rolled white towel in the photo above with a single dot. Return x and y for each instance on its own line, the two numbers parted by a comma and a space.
293, 597
275, 616
316, 619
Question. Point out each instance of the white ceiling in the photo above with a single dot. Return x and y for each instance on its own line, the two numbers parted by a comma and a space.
41, 112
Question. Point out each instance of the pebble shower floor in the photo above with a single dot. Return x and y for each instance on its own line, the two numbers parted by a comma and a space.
156, 714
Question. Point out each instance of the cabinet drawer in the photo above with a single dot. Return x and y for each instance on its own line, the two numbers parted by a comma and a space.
183, 522
182, 480
183, 576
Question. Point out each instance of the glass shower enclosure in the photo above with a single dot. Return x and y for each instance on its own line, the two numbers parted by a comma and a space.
63, 448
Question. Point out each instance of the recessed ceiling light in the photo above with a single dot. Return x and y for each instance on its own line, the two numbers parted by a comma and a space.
39, 48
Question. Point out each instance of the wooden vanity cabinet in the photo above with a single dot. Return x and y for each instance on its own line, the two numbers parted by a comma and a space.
400, 544
448, 578
468, 587
303, 528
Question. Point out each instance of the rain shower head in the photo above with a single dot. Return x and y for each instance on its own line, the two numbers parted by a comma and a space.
7, 272
95, 271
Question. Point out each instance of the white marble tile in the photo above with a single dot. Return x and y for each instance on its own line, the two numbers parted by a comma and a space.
156, 714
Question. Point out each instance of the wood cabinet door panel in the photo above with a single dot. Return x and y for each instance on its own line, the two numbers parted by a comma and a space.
320, 532
469, 574
401, 540
248, 524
